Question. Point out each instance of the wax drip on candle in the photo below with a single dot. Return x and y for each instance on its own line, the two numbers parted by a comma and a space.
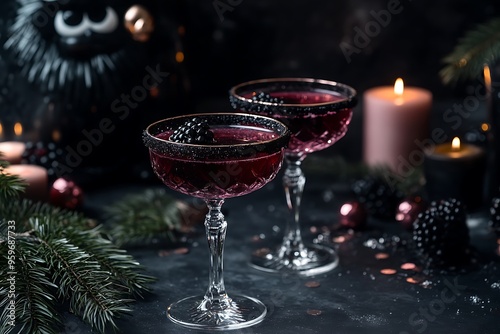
455, 145
398, 90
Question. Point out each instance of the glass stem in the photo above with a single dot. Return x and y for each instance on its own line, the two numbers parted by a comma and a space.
293, 182
216, 297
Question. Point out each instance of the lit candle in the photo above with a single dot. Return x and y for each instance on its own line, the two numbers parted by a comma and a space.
455, 170
36, 179
18, 130
12, 151
395, 119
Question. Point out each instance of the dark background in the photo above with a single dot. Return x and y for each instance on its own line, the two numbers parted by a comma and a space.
258, 39
226, 42
302, 38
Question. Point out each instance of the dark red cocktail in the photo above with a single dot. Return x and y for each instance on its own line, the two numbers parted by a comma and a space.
311, 131
214, 157
318, 113
221, 176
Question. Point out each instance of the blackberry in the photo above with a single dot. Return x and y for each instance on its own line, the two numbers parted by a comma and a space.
380, 199
441, 235
264, 97
47, 155
495, 216
193, 131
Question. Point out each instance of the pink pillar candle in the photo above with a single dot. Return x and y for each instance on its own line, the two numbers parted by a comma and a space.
395, 119
36, 179
12, 151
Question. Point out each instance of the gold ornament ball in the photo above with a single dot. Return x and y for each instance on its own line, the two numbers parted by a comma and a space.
140, 23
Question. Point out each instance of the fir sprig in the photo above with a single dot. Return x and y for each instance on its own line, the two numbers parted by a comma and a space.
35, 303
141, 218
10, 185
61, 256
477, 48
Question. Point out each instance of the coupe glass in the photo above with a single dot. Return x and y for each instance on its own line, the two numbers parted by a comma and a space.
248, 153
317, 113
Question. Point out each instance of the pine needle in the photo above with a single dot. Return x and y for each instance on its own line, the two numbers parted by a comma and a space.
479, 47
35, 301
61, 256
122, 266
10, 185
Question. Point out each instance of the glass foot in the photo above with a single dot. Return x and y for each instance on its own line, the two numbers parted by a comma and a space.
314, 260
198, 313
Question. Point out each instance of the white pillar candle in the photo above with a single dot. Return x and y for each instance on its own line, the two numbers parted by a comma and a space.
395, 119
12, 151
36, 179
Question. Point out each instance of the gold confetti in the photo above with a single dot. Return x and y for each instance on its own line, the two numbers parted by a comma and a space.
381, 256
408, 266
314, 312
339, 239
412, 280
181, 251
163, 253
261, 252
388, 271
312, 284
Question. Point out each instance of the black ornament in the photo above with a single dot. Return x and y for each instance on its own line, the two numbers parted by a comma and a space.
379, 197
441, 235
494, 221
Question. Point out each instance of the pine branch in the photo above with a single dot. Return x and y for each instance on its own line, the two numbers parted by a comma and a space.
90, 289
479, 47
10, 185
140, 218
117, 262
35, 301
23, 210
95, 276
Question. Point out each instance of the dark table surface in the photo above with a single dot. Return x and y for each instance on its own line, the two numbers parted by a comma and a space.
353, 298
356, 297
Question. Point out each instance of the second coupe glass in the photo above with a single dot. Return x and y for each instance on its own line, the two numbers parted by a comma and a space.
318, 113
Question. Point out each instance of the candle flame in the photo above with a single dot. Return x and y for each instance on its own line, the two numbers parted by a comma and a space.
1, 129
18, 129
455, 144
399, 87
179, 56
487, 77
56, 135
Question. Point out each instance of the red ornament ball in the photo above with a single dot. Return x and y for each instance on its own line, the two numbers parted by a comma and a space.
66, 194
408, 211
353, 215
